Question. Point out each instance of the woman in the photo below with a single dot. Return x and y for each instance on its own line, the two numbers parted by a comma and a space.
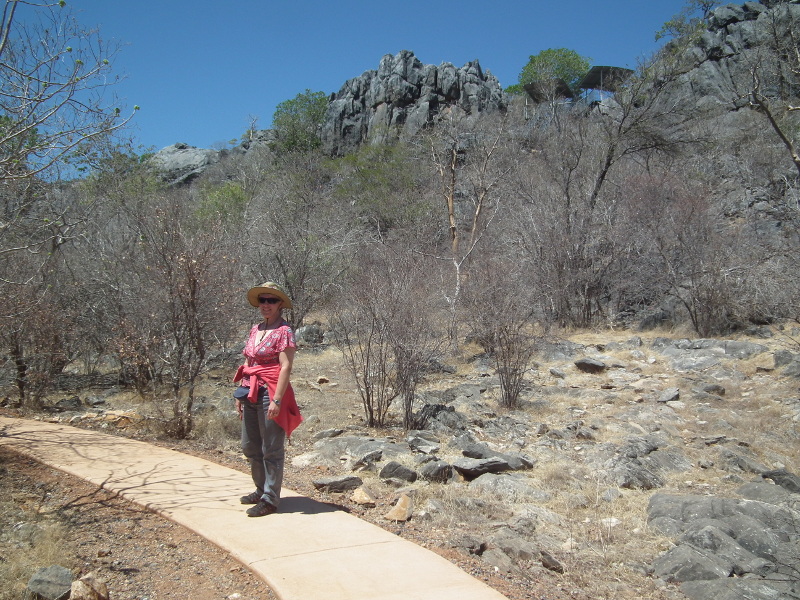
265, 399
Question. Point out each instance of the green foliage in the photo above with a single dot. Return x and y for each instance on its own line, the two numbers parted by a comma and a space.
690, 22
122, 175
553, 63
224, 202
297, 121
379, 181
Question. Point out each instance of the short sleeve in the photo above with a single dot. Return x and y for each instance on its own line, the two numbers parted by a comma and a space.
285, 339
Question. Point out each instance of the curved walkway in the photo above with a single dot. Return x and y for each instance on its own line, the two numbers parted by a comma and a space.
306, 550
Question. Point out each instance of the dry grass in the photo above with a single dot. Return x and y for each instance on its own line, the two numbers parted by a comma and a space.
217, 430
601, 538
34, 533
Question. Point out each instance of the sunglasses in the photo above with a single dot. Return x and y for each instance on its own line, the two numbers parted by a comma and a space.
268, 300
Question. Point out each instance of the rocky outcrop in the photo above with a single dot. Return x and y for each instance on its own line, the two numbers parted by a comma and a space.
725, 54
402, 97
180, 163
748, 538
399, 99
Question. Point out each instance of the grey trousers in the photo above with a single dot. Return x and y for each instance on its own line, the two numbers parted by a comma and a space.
263, 445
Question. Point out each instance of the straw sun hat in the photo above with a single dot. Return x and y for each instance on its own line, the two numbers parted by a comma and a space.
270, 287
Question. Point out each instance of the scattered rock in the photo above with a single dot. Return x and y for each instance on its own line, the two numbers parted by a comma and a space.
50, 583
337, 484
785, 479
498, 559
402, 510
590, 365
72, 403
94, 401
394, 470
669, 395
438, 471
423, 441
550, 563
328, 433
471, 468
363, 496
89, 587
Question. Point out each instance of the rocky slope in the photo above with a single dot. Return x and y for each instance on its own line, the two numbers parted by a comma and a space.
656, 467
403, 97
719, 67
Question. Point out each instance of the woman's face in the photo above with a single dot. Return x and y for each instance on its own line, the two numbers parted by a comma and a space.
268, 306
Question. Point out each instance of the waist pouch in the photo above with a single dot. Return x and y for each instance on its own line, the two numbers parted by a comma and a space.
242, 391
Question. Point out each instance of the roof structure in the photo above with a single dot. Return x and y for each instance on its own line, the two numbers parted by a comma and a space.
607, 79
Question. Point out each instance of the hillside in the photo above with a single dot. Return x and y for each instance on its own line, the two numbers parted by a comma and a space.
596, 457
587, 308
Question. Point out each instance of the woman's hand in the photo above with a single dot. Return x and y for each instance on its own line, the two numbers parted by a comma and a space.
239, 407
273, 411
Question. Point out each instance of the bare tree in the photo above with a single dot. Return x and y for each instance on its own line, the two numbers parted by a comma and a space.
55, 98
775, 77
472, 162
158, 278
506, 310
572, 182
296, 236
715, 268
191, 265
56, 106
385, 322
364, 341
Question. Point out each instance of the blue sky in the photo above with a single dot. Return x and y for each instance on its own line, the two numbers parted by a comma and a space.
201, 69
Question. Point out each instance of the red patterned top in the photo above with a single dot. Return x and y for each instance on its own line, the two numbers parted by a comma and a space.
266, 352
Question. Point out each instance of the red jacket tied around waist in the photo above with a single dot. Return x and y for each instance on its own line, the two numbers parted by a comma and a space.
267, 375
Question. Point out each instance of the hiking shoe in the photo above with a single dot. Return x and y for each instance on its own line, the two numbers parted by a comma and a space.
251, 498
262, 509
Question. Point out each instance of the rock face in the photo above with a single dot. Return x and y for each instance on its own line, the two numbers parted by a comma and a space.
726, 545
403, 96
180, 163
726, 52
399, 99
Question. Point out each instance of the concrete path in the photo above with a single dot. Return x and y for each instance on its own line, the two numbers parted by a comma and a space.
307, 550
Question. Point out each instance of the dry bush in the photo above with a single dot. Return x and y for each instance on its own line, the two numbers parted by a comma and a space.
504, 308
217, 429
36, 539
758, 416
464, 509
297, 235
385, 323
